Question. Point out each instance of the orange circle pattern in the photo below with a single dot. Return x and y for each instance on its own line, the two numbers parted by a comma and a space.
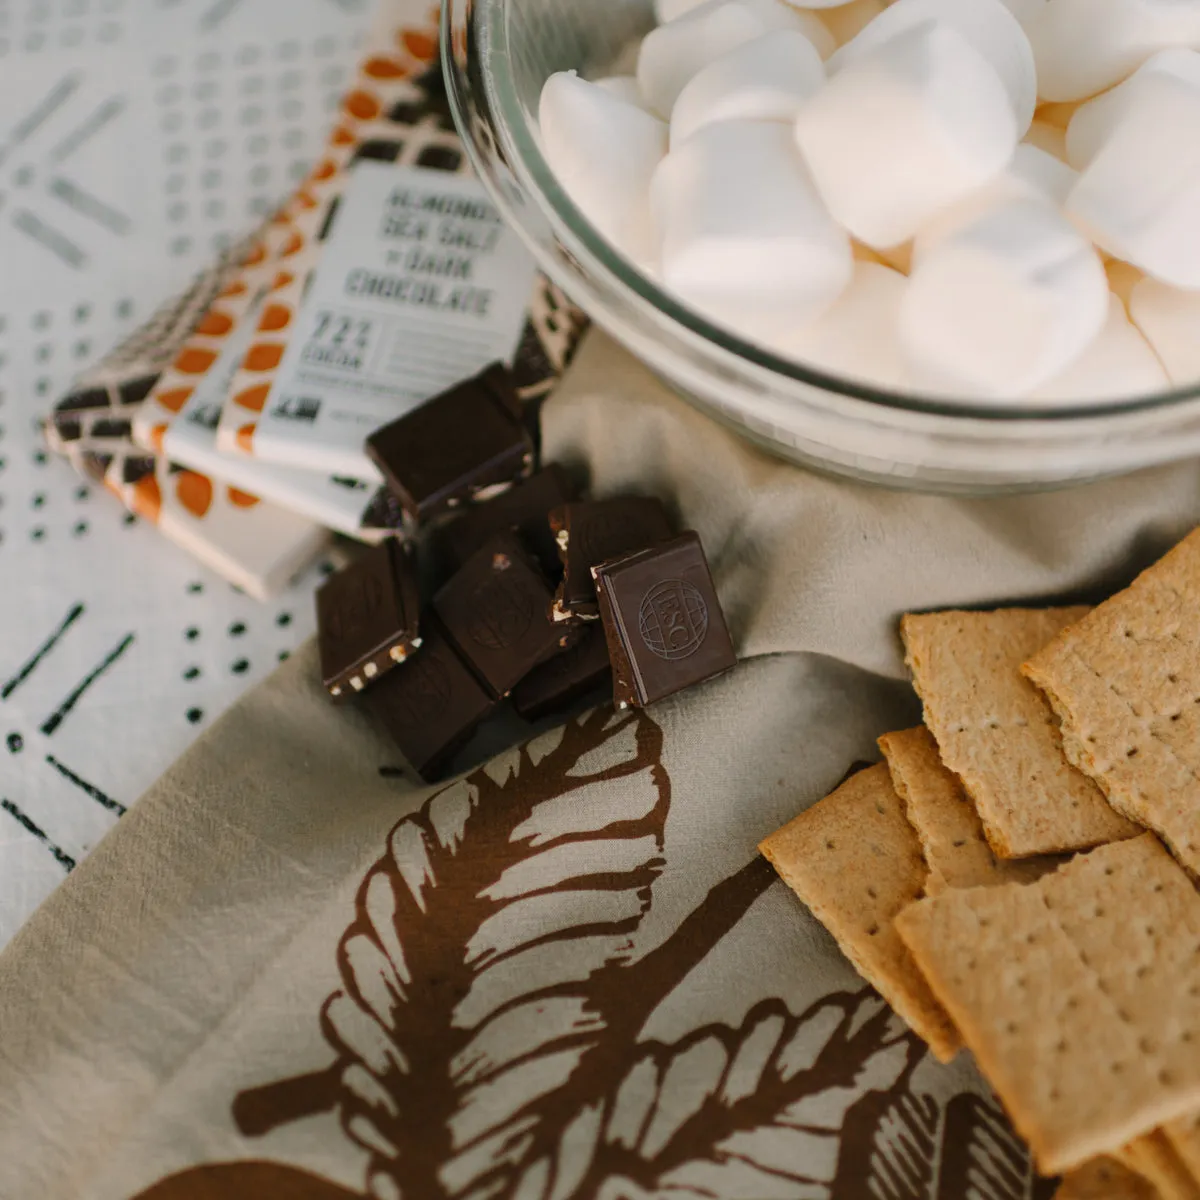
194, 492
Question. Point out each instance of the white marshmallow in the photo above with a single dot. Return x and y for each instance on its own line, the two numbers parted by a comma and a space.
859, 337
988, 25
1032, 174
626, 61
1139, 198
603, 151
768, 79
668, 10
1117, 365
1004, 303
624, 87
1026, 11
673, 53
745, 238
1085, 46
1046, 137
905, 130
820, 4
1170, 321
1094, 122
1037, 172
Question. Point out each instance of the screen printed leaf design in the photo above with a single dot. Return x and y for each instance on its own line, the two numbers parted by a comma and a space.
488, 1034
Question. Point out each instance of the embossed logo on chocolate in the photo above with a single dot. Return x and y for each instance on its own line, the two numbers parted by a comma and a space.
427, 694
673, 619
502, 611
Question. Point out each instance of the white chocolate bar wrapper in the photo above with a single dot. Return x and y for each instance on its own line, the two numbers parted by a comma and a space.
392, 55
256, 422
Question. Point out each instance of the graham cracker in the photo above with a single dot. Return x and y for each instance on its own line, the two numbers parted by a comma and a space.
1125, 681
1078, 994
996, 732
951, 833
1155, 1159
1184, 1136
1105, 1179
855, 861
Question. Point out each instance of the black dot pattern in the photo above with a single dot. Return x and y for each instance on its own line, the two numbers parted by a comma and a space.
223, 118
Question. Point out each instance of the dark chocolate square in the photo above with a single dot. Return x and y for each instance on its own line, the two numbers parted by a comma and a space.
567, 677
663, 621
459, 446
590, 532
430, 706
367, 619
525, 508
496, 612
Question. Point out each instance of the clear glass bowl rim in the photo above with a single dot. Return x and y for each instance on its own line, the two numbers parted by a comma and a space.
638, 291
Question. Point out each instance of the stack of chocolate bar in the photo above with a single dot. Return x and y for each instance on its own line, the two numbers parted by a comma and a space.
508, 587
233, 419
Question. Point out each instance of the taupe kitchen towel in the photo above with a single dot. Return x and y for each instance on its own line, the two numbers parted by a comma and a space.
292, 971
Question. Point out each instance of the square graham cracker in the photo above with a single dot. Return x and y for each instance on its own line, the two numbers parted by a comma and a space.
956, 851
1105, 1179
1078, 994
996, 732
1125, 682
855, 861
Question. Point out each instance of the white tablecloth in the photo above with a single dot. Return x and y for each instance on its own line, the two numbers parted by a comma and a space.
135, 135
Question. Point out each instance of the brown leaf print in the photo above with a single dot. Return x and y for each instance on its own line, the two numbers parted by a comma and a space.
898, 1146
478, 973
488, 1040
889, 1148
261, 1180
754, 1111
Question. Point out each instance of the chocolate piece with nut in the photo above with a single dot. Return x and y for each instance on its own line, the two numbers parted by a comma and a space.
590, 532
467, 444
367, 619
525, 508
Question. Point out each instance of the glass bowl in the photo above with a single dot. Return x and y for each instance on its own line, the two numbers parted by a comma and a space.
498, 53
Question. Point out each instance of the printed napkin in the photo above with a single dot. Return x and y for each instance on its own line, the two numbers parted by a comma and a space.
293, 971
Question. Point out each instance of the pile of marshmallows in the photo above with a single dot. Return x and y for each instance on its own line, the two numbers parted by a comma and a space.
988, 200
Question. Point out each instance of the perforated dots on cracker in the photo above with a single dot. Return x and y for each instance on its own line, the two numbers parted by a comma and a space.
945, 820
1079, 995
855, 861
998, 735
1125, 681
